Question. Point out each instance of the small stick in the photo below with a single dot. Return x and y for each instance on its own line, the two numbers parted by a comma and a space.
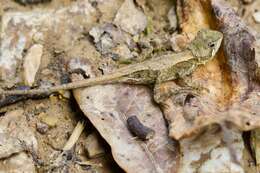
10, 99
138, 129
88, 163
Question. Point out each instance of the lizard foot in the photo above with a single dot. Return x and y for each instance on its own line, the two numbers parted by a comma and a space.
161, 95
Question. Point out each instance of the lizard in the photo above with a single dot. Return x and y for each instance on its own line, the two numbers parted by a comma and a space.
154, 71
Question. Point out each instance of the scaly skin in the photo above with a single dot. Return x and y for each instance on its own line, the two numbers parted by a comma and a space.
154, 71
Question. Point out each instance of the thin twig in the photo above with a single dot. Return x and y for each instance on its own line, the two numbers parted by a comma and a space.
75, 135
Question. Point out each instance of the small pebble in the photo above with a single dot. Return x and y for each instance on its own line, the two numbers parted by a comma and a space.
50, 120
172, 19
123, 52
32, 61
93, 147
130, 18
41, 127
256, 16
64, 94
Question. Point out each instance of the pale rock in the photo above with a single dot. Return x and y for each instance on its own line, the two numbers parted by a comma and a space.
212, 152
256, 16
17, 163
93, 147
32, 63
15, 134
96, 32
9, 145
106, 36
42, 127
130, 19
123, 52
172, 17
106, 43
15, 137
111, 41
50, 120
17, 30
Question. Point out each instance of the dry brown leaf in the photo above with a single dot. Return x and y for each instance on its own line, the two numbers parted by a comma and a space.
189, 115
108, 107
211, 76
209, 153
239, 49
242, 114
228, 82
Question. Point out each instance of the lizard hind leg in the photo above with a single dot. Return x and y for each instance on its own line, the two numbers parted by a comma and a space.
186, 82
163, 84
158, 94
163, 91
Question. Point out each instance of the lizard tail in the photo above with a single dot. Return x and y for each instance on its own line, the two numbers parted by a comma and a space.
106, 79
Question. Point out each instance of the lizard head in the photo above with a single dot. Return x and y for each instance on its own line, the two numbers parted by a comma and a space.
206, 44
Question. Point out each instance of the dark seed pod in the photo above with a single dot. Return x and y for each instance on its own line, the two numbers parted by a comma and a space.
138, 129
25, 2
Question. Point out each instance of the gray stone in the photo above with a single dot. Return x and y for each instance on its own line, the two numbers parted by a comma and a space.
172, 18
93, 147
111, 41
130, 18
256, 16
17, 163
42, 127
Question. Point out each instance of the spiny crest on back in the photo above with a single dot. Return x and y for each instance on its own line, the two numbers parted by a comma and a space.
206, 43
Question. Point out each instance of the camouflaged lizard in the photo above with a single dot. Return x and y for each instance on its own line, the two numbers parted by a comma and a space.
153, 71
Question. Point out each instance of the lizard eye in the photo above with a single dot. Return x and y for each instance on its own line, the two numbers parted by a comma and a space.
211, 45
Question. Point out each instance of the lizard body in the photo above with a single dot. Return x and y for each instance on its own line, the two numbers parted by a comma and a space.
153, 71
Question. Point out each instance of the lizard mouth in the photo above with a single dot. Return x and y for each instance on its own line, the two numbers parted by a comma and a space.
215, 50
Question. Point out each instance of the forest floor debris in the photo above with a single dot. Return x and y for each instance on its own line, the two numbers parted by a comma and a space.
98, 37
